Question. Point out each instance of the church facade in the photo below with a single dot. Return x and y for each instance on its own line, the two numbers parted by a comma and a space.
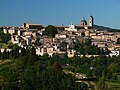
84, 24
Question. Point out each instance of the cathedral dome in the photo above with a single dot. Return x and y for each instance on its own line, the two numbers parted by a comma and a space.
83, 22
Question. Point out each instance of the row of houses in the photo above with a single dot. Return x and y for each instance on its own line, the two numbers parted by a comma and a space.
65, 40
62, 43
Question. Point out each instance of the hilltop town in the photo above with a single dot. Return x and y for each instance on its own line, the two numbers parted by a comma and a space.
75, 57
66, 38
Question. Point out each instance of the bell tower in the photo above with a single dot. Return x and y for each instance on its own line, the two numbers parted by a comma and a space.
91, 21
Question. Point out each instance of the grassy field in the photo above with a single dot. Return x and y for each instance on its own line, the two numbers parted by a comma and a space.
113, 84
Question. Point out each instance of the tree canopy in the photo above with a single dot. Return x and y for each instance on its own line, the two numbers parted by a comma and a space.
50, 30
4, 38
118, 41
25, 70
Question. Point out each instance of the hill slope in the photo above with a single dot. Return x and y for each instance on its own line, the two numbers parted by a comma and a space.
105, 28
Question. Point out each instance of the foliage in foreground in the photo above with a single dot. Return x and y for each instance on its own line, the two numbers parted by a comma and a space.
31, 72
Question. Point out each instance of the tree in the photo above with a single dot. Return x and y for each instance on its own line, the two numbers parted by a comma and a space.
101, 82
23, 52
15, 46
113, 68
1, 30
50, 31
33, 51
37, 42
0, 54
63, 46
5, 37
10, 45
118, 41
5, 54
16, 53
57, 68
88, 42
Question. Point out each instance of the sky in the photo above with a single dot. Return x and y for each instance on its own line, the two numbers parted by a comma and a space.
58, 12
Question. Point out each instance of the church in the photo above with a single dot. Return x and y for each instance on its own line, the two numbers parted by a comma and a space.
84, 25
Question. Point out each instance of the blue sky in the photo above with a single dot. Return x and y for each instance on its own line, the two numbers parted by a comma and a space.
58, 12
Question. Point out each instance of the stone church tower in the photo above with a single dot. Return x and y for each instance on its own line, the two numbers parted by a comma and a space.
91, 21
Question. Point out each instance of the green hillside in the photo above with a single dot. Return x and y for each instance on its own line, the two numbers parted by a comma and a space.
105, 28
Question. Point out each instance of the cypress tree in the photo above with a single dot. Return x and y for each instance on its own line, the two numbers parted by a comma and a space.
5, 54
33, 51
0, 54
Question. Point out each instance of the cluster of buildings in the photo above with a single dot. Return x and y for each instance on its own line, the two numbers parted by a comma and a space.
65, 40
